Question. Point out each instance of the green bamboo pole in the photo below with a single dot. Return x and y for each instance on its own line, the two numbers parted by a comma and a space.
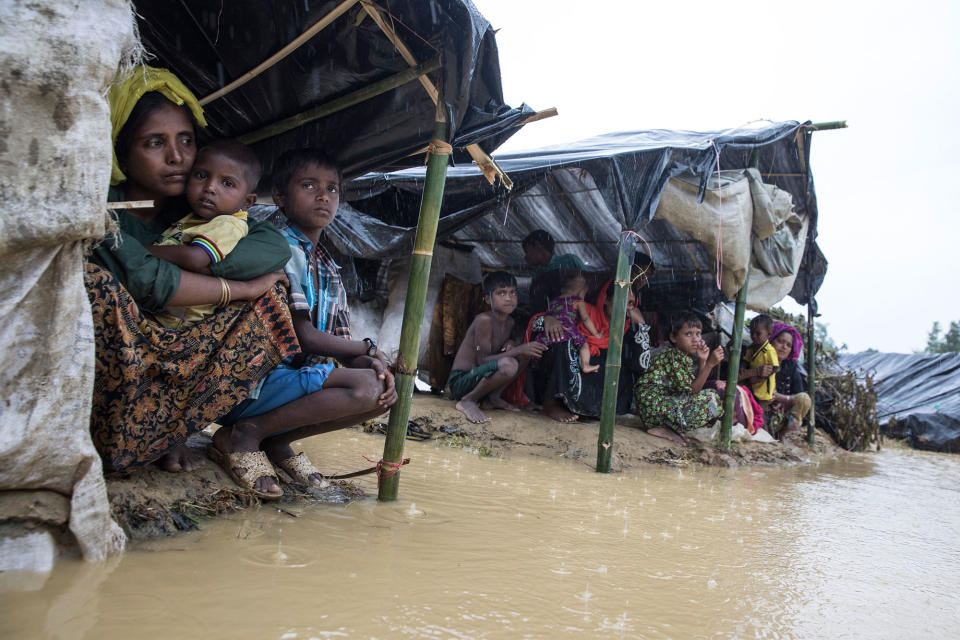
733, 366
811, 373
341, 103
611, 373
826, 126
406, 364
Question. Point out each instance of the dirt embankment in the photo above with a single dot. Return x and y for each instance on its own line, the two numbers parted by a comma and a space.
151, 502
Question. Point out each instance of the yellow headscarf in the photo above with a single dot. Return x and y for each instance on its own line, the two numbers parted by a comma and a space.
124, 96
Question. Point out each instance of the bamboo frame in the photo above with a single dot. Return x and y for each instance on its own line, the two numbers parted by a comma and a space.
491, 170
132, 204
318, 26
420, 259
611, 371
733, 366
811, 374
349, 100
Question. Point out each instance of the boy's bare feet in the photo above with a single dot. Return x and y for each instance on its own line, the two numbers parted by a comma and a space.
181, 458
553, 409
669, 434
472, 411
590, 368
244, 437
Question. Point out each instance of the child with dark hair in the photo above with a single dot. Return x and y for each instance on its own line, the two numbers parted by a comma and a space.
306, 394
569, 308
486, 363
670, 395
760, 363
221, 186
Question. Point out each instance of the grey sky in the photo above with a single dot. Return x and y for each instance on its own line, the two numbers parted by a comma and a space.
890, 69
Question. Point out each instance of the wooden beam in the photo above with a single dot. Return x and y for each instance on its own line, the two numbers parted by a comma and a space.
487, 165
540, 115
325, 21
321, 111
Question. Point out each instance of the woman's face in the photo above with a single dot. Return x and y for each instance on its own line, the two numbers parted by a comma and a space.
161, 154
783, 345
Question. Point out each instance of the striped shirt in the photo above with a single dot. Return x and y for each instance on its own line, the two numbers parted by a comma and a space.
315, 285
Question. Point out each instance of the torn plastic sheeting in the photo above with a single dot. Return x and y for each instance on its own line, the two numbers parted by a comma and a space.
921, 391
208, 44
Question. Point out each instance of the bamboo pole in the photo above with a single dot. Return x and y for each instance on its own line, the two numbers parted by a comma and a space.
825, 126
733, 365
132, 204
491, 170
318, 26
355, 97
811, 373
406, 364
611, 372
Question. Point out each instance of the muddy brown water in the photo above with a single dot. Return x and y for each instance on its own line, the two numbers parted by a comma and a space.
479, 547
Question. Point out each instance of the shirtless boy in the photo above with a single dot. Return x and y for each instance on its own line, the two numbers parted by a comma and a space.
486, 363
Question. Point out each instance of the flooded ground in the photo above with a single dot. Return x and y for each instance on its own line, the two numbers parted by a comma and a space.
482, 547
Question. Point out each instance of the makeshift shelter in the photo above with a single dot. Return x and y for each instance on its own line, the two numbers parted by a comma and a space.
358, 78
918, 395
760, 209
352, 76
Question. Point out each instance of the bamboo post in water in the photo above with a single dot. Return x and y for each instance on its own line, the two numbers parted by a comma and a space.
811, 372
611, 372
406, 364
733, 365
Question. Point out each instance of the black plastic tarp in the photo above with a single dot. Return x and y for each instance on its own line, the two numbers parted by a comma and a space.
583, 193
918, 395
209, 43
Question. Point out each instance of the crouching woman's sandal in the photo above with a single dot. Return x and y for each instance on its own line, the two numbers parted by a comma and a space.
300, 469
245, 468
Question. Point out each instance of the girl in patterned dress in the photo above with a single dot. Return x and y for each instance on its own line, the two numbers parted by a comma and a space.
670, 396
570, 308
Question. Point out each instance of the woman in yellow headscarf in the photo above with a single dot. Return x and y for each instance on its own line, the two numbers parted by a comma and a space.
155, 387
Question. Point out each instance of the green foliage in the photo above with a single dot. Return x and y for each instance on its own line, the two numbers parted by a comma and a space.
950, 342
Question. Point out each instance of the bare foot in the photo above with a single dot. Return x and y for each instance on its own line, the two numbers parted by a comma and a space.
590, 368
669, 434
558, 413
472, 411
279, 451
499, 403
244, 436
181, 458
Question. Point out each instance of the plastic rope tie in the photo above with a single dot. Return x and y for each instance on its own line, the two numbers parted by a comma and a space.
394, 468
437, 146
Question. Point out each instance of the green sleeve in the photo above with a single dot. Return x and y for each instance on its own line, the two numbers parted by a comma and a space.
151, 281
567, 261
262, 250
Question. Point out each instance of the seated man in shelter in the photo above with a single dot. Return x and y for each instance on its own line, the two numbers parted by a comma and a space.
486, 362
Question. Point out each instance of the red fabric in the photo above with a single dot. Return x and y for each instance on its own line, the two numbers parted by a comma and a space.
601, 323
757, 410
514, 393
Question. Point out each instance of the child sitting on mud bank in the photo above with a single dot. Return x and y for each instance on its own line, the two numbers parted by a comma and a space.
485, 363
761, 358
569, 308
670, 396
220, 188
305, 395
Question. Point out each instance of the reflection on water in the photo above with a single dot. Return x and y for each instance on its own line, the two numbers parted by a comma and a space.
487, 548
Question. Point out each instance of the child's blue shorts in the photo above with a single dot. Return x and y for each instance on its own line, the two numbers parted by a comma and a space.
281, 386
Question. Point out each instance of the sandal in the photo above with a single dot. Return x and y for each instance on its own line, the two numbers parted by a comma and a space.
245, 468
300, 469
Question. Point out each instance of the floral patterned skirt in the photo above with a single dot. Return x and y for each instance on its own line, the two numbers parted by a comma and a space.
155, 387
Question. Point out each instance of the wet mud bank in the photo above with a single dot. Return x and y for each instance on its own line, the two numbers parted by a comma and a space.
151, 502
